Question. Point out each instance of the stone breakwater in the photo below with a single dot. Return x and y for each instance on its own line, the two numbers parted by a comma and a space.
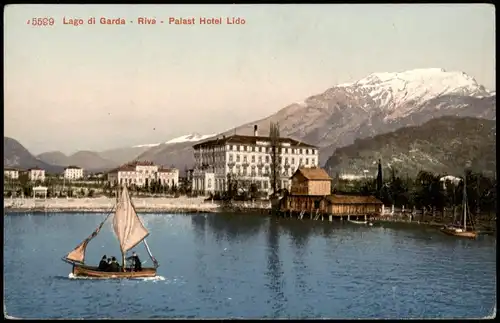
103, 204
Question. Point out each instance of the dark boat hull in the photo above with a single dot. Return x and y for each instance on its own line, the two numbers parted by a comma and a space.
93, 272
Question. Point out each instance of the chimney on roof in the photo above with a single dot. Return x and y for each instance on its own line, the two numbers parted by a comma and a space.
255, 132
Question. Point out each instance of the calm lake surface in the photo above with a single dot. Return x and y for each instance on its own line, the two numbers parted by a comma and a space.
220, 266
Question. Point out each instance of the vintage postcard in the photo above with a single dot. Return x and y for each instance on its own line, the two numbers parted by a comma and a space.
293, 161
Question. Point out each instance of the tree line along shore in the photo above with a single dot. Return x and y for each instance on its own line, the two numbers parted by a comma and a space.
426, 194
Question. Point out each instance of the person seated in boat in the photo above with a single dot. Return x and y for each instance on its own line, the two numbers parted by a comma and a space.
136, 261
114, 266
103, 264
109, 262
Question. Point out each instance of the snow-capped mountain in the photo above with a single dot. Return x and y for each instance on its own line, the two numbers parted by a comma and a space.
194, 137
376, 104
380, 103
398, 93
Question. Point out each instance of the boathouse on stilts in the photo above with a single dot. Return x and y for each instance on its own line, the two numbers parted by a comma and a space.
310, 197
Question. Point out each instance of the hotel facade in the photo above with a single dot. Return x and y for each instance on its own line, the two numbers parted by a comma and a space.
142, 173
247, 159
73, 173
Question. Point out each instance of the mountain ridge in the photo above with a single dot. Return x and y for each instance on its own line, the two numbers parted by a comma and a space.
17, 156
378, 103
442, 145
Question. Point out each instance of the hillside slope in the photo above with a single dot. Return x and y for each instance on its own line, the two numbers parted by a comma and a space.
17, 156
442, 145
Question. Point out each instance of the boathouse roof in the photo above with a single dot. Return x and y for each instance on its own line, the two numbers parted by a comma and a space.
313, 173
353, 199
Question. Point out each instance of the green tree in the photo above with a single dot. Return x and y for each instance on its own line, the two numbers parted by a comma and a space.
274, 134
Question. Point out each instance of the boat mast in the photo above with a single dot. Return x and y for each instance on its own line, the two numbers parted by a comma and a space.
465, 202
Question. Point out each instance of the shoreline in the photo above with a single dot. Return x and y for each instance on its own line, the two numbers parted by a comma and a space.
186, 206
142, 205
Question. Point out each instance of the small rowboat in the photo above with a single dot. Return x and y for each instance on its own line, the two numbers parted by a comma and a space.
358, 222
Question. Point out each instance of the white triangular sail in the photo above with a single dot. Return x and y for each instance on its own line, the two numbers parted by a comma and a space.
127, 226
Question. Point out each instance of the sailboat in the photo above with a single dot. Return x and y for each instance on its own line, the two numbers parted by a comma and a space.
462, 230
129, 231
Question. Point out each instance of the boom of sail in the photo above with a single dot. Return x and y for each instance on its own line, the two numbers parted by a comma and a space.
127, 226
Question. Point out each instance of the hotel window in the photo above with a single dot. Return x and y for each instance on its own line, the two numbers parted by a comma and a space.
267, 159
244, 159
307, 161
312, 161
253, 148
253, 159
260, 171
237, 158
286, 160
300, 161
293, 161
209, 184
260, 159
234, 147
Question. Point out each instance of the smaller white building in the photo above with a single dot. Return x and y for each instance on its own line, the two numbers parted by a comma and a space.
168, 177
450, 179
36, 174
73, 173
11, 173
143, 173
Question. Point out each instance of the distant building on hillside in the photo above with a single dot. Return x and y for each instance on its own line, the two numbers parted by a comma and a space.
247, 159
11, 173
36, 174
73, 173
143, 173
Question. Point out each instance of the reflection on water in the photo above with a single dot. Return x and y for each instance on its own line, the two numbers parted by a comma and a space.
274, 271
230, 265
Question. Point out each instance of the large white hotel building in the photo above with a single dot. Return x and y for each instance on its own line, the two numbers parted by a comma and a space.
247, 158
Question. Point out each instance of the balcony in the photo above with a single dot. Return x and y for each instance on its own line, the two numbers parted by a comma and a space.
245, 164
260, 164
231, 164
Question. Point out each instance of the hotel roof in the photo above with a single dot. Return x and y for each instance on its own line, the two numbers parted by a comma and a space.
248, 140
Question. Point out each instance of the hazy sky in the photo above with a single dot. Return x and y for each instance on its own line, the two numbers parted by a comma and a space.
99, 86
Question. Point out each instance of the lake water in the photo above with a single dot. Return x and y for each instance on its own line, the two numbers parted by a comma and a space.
220, 266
